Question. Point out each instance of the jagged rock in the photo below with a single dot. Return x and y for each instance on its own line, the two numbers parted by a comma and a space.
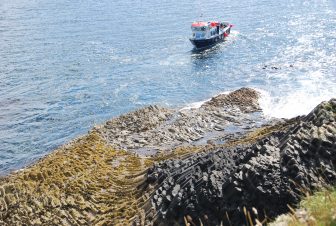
262, 178
154, 128
245, 99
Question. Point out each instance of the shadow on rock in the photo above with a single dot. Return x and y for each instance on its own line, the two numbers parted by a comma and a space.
247, 183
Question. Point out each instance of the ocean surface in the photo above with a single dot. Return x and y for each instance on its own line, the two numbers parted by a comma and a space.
67, 65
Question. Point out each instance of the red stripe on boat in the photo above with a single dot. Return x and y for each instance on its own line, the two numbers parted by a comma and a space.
199, 24
214, 23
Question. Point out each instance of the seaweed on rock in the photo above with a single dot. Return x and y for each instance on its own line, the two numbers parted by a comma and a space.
84, 182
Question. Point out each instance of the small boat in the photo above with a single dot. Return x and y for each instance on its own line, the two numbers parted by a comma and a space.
206, 34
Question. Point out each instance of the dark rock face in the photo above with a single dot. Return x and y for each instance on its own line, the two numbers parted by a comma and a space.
246, 182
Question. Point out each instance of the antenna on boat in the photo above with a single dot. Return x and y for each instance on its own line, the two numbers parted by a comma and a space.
199, 10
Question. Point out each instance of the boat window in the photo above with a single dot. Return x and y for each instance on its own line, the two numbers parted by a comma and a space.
200, 35
198, 28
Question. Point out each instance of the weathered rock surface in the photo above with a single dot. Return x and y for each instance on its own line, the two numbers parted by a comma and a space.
245, 99
241, 184
151, 129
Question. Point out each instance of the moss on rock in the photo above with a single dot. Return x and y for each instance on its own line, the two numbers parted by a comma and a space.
84, 182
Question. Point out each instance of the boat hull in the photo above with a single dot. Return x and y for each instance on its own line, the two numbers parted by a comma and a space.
205, 43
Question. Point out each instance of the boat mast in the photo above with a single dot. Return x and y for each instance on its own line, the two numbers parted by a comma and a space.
200, 13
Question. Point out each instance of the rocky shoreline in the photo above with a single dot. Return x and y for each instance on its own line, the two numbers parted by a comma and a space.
222, 163
152, 129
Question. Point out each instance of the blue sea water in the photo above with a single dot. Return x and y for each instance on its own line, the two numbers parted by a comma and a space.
68, 65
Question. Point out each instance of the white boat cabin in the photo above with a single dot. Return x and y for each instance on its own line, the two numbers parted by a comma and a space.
205, 30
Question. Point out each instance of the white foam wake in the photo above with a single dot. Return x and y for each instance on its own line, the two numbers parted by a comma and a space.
299, 102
